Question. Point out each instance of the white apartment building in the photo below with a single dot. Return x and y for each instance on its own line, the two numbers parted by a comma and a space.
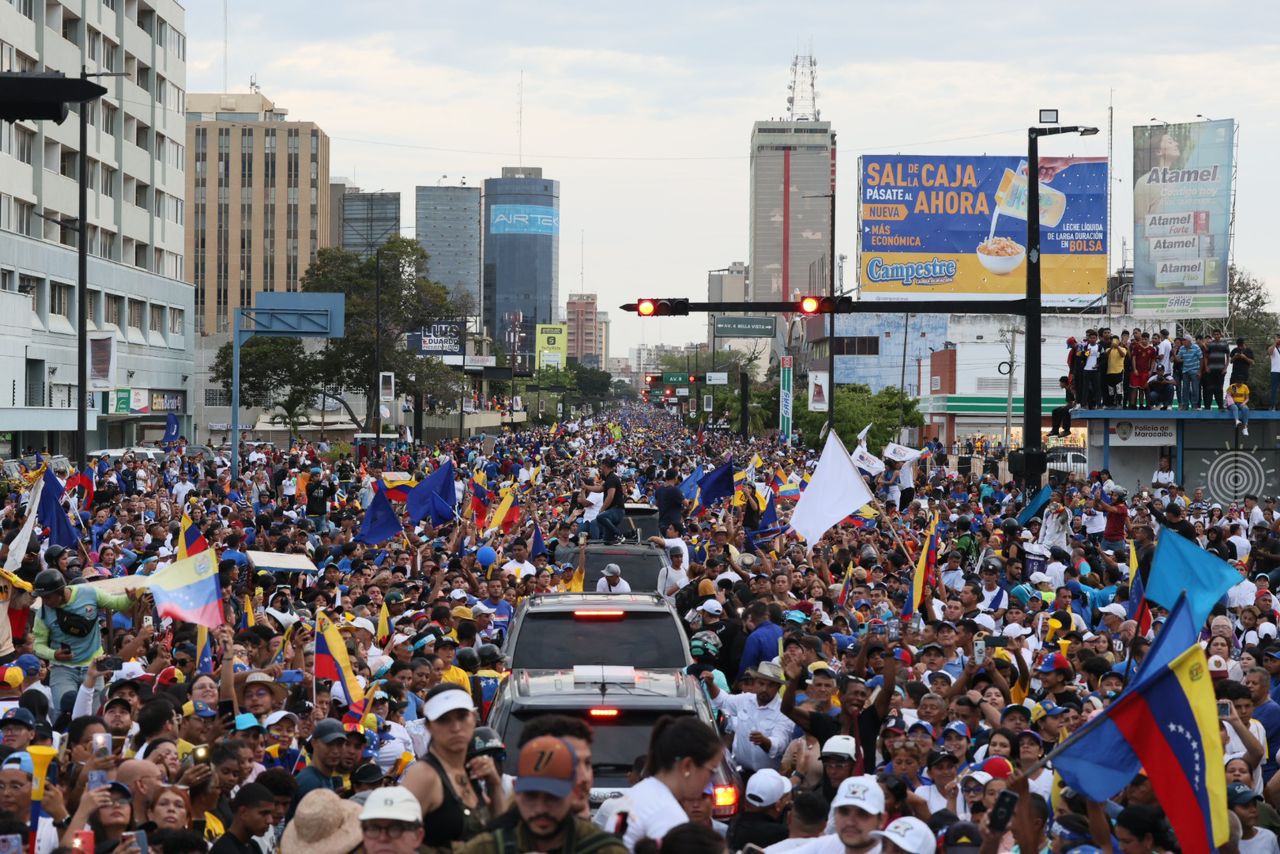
137, 283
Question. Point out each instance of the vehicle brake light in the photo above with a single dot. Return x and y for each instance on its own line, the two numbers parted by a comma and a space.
602, 714
724, 800
598, 614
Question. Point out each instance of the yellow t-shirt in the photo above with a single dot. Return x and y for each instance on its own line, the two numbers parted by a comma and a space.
455, 675
1238, 392
1115, 359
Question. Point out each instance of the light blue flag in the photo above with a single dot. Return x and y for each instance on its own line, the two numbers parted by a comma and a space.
1180, 565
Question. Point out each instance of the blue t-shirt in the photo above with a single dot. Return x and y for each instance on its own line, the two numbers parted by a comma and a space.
503, 613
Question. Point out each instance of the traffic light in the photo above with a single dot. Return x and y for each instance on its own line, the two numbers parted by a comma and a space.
659, 307
694, 379
650, 379
823, 305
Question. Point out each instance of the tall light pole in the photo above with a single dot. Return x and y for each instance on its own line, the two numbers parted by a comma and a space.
1032, 447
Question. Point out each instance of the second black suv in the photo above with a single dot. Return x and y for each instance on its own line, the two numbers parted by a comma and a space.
557, 631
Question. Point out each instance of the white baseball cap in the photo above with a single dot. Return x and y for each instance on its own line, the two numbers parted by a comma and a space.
1040, 578
458, 594
1013, 630
863, 792
1114, 609
910, 834
766, 787
395, 803
986, 621
360, 623
712, 606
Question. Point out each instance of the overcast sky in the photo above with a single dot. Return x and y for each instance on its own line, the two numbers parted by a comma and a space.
643, 112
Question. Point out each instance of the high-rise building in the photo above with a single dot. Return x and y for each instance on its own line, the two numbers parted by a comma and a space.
137, 289
258, 185
521, 256
337, 192
448, 227
368, 220
793, 173
602, 335
584, 329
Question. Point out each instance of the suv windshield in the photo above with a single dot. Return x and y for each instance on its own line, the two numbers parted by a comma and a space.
556, 640
639, 568
614, 746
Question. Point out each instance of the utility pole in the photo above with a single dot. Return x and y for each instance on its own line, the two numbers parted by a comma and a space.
1008, 404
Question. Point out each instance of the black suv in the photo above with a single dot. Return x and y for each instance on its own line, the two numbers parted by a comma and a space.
621, 704
556, 631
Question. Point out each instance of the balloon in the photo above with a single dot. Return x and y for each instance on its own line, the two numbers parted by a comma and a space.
487, 556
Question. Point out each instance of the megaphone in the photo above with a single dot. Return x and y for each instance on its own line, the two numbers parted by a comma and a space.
41, 757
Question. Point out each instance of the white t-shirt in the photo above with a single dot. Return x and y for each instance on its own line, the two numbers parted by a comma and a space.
602, 586
590, 512
668, 576
654, 811
1275, 360
1263, 842
1164, 352
828, 843
519, 569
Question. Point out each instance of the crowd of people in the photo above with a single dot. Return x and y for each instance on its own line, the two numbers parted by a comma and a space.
1142, 369
855, 722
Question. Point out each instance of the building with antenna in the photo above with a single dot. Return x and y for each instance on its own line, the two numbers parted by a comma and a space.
793, 174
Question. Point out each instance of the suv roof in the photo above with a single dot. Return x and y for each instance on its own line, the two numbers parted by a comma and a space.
574, 601
625, 687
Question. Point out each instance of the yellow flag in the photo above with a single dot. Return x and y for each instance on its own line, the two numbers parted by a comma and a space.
384, 625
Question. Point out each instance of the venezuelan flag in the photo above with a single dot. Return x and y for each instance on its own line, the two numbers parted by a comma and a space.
204, 650
924, 566
247, 617
398, 485
508, 512
188, 590
190, 540
332, 661
1165, 724
384, 625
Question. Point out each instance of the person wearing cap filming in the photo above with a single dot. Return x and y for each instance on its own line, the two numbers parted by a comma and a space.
543, 819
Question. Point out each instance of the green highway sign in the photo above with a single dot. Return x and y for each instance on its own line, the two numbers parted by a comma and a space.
744, 327
675, 377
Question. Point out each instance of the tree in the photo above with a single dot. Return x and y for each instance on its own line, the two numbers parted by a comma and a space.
1253, 320
291, 411
856, 407
592, 383
409, 301
270, 369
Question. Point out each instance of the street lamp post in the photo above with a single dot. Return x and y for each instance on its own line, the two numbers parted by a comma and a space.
1032, 445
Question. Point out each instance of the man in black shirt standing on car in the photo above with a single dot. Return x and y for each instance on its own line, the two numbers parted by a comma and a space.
670, 501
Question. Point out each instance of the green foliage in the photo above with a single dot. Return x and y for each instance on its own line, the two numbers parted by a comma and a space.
270, 369
855, 408
592, 383
1253, 320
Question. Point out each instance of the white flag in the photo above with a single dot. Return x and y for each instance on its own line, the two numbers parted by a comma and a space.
836, 490
867, 461
862, 436
901, 453
18, 548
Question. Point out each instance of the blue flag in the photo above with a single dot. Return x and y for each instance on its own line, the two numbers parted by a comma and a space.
1179, 632
769, 517
1180, 565
715, 485
440, 512
539, 547
380, 523
170, 438
440, 483
50, 513
689, 488
1036, 504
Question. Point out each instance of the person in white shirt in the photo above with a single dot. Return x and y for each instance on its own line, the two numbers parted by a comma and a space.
182, 489
857, 812
673, 577
519, 565
761, 732
684, 754
611, 580
1240, 541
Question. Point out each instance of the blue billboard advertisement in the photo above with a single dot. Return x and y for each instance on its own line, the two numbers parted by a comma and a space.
1182, 218
523, 219
957, 226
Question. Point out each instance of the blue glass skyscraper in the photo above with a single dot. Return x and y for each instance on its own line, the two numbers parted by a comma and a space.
521, 257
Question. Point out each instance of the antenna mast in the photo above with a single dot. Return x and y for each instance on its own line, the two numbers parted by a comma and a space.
520, 121
226, 48
802, 92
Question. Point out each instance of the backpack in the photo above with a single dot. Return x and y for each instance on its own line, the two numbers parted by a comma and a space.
687, 598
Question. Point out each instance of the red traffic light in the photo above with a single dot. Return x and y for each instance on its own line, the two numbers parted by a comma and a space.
659, 307
823, 305
650, 379
693, 378
809, 305
646, 308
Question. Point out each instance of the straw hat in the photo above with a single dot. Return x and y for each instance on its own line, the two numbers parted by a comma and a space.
323, 824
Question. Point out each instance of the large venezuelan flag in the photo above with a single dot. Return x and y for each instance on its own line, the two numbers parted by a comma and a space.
188, 590
1166, 725
190, 540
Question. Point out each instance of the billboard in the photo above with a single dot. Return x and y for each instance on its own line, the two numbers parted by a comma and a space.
523, 219
442, 338
553, 345
957, 226
1182, 218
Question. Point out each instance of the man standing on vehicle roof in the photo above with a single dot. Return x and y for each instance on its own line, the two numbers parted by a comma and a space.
611, 581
